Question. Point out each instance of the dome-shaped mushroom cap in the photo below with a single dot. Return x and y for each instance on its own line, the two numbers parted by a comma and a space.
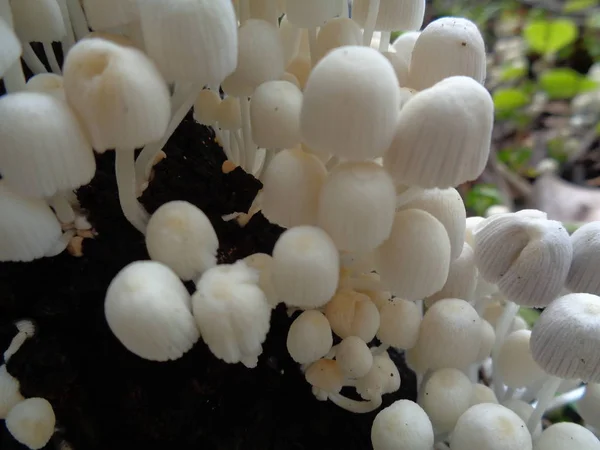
28, 227
11, 47
357, 206
482, 394
104, 14
383, 378
447, 47
47, 83
31, 422
567, 436
180, 235
354, 357
275, 115
566, 337
232, 312
406, 15
38, 20
353, 314
350, 104
206, 107
260, 58
44, 149
312, 13
404, 44
309, 337
402, 426
523, 410
527, 257
588, 406
491, 427
9, 392
583, 274
414, 261
443, 135
337, 33
462, 278
515, 363
400, 321
148, 309
306, 266
191, 40
118, 94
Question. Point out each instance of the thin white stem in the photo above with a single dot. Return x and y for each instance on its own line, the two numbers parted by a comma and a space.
502, 327
531, 392
312, 45
356, 406
239, 145
223, 141
372, 14
380, 350
509, 393
51, 57
69, 39
125, 172
259, 162
346, 9
32, 60
544, 399
6, 12
14, 78
62, 208
566, 398
78, 19
269, 155
26, 330
421, 306
474, 373
249, 148
384, 41
182, 101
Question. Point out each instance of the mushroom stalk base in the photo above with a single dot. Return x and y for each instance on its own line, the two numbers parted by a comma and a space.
356, 406
125, 172
544, 399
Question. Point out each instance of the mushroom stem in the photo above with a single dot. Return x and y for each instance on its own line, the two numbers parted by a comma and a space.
181, 102
32, 60
62, 208
503, 326
372, 14
312, 45
51, 57
78, 20
125, 172
544, 399
26, 330
384, 41
14, 79
69, 39
249, 148
269, 155
61, 244
355, 406
566, 398
346, 9
379, 350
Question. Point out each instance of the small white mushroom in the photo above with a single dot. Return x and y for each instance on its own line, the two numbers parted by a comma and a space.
588, 407
232, 313
490, 426
180, 235
206, 107
350, 104
306, 266
309, 337
515, 363
354, 357
586, 250
263, 263
487, 340
357, 205
337, 33
353, 314
447, 47
404, 45
566, 436
402, 426
148, 309
393, 15
326, 378
9, 392
482, 394
47, 83
11, 47
524, 411
105, 14
415, 260
31, 422
400, 322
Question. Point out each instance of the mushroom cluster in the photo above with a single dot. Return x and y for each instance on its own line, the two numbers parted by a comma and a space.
360, 145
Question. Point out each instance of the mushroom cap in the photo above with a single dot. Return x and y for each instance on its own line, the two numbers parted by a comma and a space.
353, 314
291, 185
490, 426
229, 114
337, 33
38, 20
588, 407
260, 58
206, 107
487, 341
28, 227
47, 83
191, 40
275, 115
586, 258
482, 394
309, 337
147, 308
393, 15
415, 260
515, 363
350, 104
118, 94
232, 312
290, 36
523, 410
325, 374
566, 436
443, 135
400, 321
44, 149
306, 267
383, 378
312, 13
527, 257
354, 357
31, 422
180, 236
402, 426
566, 337
445, 396
462, 278
11, 47
447, 47
104, 14
400, 66
10, 394
357, 206
404, 45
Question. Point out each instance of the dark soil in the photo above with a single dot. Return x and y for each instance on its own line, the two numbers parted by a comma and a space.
107, 398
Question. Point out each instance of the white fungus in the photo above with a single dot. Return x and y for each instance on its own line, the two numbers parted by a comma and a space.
400, 321
586, 250
515, 363
566, 436
354, 357
309, 337
232, 313
148, 309
9, 392
402, 426
31, 422
353, 314
180, 235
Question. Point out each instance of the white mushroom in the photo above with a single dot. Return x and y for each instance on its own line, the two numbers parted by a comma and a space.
309, 337
31, 422
566, 436
402, 426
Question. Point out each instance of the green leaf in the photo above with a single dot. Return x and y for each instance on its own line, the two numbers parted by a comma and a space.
550, 36
564, 83
509, 99
515, 158
481, 197
572, 6
513, 73
529, 315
